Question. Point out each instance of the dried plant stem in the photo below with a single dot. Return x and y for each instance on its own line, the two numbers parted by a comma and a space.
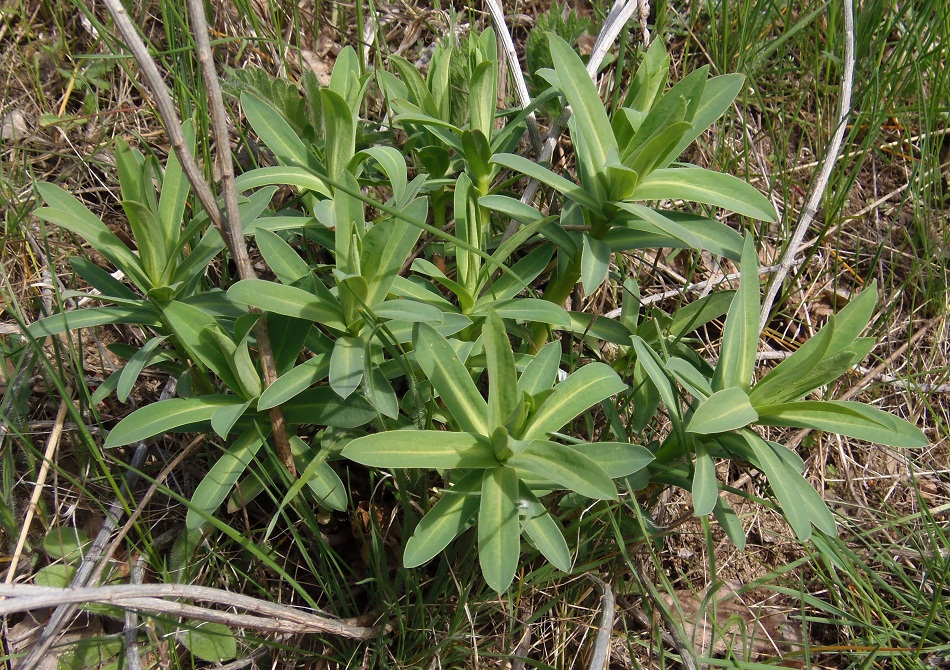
51, 444
821, 183
601, 655
232, 222
270, 617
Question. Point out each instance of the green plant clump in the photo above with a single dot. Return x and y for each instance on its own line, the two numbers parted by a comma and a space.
445, 356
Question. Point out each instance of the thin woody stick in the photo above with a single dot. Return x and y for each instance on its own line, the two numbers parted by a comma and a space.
232, 225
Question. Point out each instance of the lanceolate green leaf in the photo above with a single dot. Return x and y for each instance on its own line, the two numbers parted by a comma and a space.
221, 478
93, 316
450, 379
429, 449
584, 99
276, 133
544, 531
723, 411
499, 530
567, 467
135, 365
531, 169
340, 133
696, 184
502, 377
595, 263
188, 323
800, 502
295, 381
167, 415
705, 484
541, 371
617, 459
853, 419
282, 175
585, 388
445, 521
718, 94
347, 364
319, 476
281, 257
286, 300
741, 333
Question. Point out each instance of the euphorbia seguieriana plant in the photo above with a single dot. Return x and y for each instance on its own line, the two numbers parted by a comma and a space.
381, 340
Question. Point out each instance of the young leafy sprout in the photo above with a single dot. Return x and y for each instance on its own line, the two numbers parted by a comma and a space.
501, 455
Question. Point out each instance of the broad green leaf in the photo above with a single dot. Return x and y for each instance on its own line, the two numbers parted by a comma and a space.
799, 374
223, 420
690, 378
502, 377
166, 415
281, 257
567, 467
323, 407
410, 311
740, 337
580, 391
445, 521
274, 131
689, 317
65, 544
853, 419
600, 327
800, 503
286, 300
209, 641
101, 280
522, 274
393, 164
175, 190
429, 449
451, 379
723, 411
318, 475
696, 184
584, 99
380, 392
544, 531
654, 368
287, 338
215, 486
661, 223
483, 97
729, 521
340, 133
718, 95
189, 324
67, 212
130, 373
295, 381
147, 231
595, 263
563, 186
347, 364
386, 247
282, 175
617, 459
57, 575
499, 529
705, 484
541, 371
532, 310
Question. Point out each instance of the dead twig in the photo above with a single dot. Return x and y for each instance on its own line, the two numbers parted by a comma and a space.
269, 617
821, 183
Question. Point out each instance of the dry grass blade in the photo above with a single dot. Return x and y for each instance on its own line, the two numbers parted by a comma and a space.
270, 617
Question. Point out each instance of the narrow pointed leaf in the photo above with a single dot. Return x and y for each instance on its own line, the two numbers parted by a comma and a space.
723, 411
595, 264
221, 478
853, 419
451, 379
582, 390
544, 531
295, 381
347, 364
429, 449
499, 530
134, 367
566, 467
445, 521
166, 415
286, 300
705, 484
740, 335
696, 184
617, 459
541, 371
502, 376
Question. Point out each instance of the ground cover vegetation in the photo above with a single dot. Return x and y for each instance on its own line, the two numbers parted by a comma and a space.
456, 349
